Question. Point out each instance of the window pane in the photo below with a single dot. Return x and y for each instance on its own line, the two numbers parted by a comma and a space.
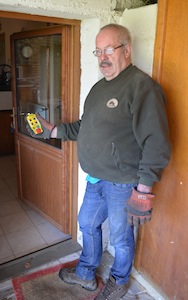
38, 78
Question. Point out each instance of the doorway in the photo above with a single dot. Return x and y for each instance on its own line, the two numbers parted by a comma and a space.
39, 85
22, 229
72, 108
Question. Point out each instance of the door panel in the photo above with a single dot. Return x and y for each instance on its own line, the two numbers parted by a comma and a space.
42, 183
163, 243
43, 82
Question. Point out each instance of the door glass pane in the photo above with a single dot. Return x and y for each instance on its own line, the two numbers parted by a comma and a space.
38, 80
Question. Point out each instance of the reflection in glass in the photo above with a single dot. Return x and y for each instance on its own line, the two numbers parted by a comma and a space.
38, 79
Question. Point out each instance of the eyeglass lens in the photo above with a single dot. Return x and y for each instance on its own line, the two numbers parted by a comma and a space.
107, 51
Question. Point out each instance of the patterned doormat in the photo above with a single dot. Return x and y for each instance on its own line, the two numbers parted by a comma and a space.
46, 284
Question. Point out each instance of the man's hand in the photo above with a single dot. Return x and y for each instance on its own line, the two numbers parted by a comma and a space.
139, 207
46, 126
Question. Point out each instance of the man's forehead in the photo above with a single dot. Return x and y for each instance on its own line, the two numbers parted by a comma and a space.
106, 37
107, 32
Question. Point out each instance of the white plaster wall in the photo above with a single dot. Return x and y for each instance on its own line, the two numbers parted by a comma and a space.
72, 9
142, 25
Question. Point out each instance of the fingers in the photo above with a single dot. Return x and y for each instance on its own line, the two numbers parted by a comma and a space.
30, 131
130, 220
138, 220
39, 117
44, 123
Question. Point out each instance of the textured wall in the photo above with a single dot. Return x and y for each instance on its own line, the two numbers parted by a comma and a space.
74, 9
143, 30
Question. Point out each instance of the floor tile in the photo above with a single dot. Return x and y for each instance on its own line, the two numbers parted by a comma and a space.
9, 207
1, 231
50, 233
6, 163
29, 251
15, 222
24, 205
35, 217
25, 240
8, 173
7, 259
12, 184
3, 184
5, 250
6, 194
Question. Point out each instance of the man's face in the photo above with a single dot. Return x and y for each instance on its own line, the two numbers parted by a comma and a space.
111, 65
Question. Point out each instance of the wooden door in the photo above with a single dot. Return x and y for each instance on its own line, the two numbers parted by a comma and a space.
6, 134
44, 80
163, 243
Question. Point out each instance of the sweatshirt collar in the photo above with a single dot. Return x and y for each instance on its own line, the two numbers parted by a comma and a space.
120, 74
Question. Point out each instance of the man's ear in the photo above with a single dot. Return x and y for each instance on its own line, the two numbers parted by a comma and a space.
127, 51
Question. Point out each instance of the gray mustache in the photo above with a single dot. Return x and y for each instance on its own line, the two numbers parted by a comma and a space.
107, 63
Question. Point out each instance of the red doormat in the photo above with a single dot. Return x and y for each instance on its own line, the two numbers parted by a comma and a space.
46, 285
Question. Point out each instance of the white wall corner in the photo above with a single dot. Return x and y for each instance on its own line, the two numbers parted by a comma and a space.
89, 64
142, 24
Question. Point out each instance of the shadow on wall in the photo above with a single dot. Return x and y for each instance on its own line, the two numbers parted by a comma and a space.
121, 5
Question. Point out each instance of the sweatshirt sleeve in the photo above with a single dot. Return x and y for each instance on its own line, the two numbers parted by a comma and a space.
68, 131
150, 127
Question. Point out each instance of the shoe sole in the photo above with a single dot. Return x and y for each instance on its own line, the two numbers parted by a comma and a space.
76, 282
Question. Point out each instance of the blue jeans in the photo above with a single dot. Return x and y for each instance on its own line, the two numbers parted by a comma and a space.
106, 199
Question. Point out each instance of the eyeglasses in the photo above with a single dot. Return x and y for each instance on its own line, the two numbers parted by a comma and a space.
107, 51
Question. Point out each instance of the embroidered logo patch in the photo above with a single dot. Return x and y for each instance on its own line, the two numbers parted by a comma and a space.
112, 103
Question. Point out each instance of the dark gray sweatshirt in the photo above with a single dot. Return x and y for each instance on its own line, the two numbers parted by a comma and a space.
123, 134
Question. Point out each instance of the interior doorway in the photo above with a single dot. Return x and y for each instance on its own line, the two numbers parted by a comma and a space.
22, 229
28, 22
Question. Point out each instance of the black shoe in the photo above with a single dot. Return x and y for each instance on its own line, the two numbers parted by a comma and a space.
69, 276
112, 291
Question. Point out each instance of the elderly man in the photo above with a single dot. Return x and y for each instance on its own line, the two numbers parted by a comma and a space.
123, 146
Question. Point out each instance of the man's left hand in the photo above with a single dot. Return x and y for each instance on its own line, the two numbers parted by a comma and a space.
139, 207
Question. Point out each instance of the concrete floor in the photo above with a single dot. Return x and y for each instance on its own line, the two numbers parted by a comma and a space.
136, 290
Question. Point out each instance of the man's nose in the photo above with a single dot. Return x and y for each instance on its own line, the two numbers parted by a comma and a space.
103, 56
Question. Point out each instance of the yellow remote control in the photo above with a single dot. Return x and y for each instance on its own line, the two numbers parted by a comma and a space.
34, 123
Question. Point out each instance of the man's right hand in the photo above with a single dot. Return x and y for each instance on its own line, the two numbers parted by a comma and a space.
46, 126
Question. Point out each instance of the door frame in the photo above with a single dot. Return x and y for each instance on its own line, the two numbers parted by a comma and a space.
74, 96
